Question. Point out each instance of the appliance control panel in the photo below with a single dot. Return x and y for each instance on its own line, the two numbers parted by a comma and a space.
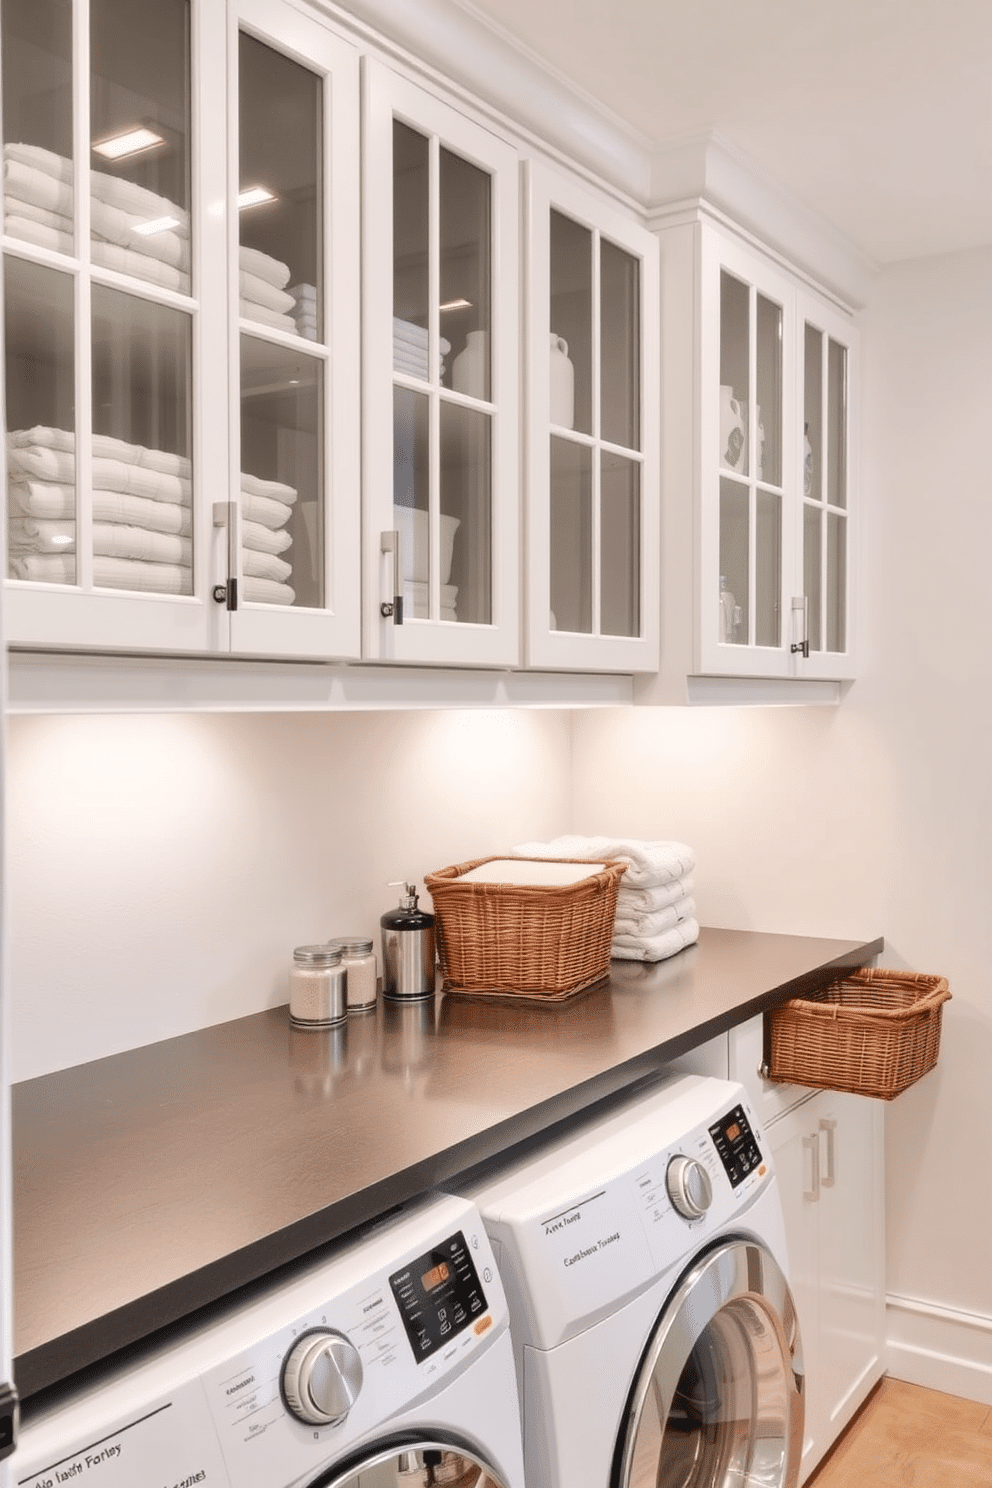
438, 1295
736, 1145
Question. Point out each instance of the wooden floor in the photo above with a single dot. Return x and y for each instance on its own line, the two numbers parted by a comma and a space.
908, 1437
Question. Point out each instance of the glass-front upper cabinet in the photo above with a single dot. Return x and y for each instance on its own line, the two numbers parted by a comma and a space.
592, 486
294, 527
775, 403
105, 258
441, 382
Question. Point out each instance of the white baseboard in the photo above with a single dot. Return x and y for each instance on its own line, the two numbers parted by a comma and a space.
939, 1347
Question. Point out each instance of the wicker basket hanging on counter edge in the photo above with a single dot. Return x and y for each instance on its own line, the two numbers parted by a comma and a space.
872, 1032
548, 941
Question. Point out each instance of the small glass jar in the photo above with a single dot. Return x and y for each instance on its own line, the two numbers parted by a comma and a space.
358, 959
317, 995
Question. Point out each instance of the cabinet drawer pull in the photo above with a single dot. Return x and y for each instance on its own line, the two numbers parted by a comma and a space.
390, 542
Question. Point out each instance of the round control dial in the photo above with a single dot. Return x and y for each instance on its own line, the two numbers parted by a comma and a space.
321, 1377
689, 1187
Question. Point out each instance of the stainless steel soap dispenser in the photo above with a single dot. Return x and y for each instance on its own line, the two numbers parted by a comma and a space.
407, 948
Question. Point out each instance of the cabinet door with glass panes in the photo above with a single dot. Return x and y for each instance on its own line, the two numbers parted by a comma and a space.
110, 326
777, 365
293, 522
441, 353
827, 365
748, 510
592, 465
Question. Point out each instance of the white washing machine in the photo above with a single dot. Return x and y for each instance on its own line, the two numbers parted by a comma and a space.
388, 1365
643, 1255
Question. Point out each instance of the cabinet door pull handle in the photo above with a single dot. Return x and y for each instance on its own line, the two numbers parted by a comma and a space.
390, 542
812, 1146
801, 604
828, 1124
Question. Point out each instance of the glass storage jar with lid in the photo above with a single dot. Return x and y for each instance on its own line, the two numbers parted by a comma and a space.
358, 959
317, 997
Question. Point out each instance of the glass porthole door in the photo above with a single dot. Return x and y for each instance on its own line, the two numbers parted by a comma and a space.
718, 1401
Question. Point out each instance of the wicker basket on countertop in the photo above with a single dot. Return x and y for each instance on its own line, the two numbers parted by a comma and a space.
540, 941
873, 1032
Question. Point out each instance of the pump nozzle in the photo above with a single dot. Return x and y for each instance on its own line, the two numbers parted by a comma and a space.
408, 899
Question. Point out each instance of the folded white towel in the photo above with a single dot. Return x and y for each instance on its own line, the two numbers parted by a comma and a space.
256, 565
632, 902
651, 864
14, 207
30, 184
260, 292
34, 535
105, 446
58, 439
264, 510
138, 266
115, 540
254, 485
41, 499
262, 539
40, 159
303, 294
265, 591
108, 573
262, 315
417, 592
252, 261
405, 330
124, 228
137, 200
656, 947
653, 924
39, 235
139, 480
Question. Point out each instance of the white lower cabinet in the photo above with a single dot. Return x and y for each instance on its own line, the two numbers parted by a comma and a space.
828, 1152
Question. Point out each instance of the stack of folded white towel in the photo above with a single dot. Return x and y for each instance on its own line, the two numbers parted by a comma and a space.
142, 518
410, 349
141, 512
656, 914
305, 310
263, 296
266, 507
134, 231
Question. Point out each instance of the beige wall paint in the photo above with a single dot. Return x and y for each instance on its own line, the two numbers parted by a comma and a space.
161, 870
876, 816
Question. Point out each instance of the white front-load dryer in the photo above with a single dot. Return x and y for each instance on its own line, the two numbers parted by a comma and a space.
643, 1254
388, 1365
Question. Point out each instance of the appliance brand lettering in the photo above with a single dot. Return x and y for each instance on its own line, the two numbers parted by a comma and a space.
249, 1379
559, 1224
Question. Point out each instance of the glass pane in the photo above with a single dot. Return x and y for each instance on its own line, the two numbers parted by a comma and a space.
571, 324
812, 571
620, 346
734, 564
139, 129
813, 414
41, 422
620, 546
142, 486
411, 496
37, 122
571, 536
735, 317
768, 570
836, 424
836, 582
464, 276
280, 200
282, 476
466, 515
411, 239
768, 413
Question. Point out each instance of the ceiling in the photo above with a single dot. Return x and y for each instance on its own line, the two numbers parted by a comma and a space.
875, 113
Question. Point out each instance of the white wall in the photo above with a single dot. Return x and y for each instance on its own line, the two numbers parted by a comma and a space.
161, 870
876, 817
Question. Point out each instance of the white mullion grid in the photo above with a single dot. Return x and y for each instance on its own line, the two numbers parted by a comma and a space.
596, 557
434, 379
824, 503
84, 298
642, 576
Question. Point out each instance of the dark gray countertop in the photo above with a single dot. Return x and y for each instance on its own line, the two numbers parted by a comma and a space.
153, 1183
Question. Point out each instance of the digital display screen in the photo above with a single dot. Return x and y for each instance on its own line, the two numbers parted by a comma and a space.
736, 1146
439, 1295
